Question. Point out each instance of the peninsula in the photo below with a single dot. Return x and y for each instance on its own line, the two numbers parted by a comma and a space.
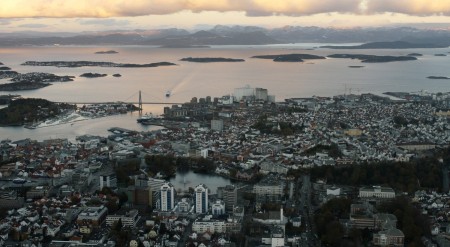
374, 58
29, 81
5, 99
289, 57
22, 111
211, 59
74, 64
21, 86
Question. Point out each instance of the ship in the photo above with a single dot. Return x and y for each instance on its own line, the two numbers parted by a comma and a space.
168, 94
145, 118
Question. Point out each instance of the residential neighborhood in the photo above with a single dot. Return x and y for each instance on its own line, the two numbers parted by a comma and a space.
279, 163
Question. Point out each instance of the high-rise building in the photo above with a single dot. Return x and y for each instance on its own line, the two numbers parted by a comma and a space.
242, 92
229, 195
261, 94
167, 197
109, 181
201, 199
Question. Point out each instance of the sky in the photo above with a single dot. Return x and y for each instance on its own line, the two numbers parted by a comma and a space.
100, 15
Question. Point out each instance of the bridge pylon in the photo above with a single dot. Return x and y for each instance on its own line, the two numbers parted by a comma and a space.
140, 102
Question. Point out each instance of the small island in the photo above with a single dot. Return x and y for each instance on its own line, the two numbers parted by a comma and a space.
355, 66
374, 58
289, 57
92, 75
211, 59
23, 111
76, 64
107, 52
5, 68
439, 77
414, 55
440, 55
117, 75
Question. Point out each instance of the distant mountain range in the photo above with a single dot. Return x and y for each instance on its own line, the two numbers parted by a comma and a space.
235, 35
387, 45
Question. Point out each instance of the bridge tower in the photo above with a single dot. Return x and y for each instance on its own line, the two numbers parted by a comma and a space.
140, 102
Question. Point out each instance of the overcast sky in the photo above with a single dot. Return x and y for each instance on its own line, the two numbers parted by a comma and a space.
92, 15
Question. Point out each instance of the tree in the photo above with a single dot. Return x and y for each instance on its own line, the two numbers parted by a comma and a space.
334, 233
117, 226
123, 198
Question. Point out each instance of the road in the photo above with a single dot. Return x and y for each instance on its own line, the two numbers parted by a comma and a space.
308, 238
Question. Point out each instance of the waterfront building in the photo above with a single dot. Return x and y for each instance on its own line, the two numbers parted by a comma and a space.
248, 92
240, 93
261, 94
201, 199
167, 197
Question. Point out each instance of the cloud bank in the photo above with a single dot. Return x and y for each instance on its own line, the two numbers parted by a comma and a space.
125, 8
410, 7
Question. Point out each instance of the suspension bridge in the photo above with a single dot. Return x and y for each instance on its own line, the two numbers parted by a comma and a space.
126, 101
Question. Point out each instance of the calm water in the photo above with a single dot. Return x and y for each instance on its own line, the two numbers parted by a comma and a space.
284, 80
98, 126
184, 180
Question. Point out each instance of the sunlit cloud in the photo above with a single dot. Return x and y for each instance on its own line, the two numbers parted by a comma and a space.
91, 15
127, 8
410, 7
120, 8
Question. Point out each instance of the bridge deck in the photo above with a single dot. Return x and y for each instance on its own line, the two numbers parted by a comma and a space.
120, 102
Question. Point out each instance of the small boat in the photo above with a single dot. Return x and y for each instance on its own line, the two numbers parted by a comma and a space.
168, 94
19, 181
